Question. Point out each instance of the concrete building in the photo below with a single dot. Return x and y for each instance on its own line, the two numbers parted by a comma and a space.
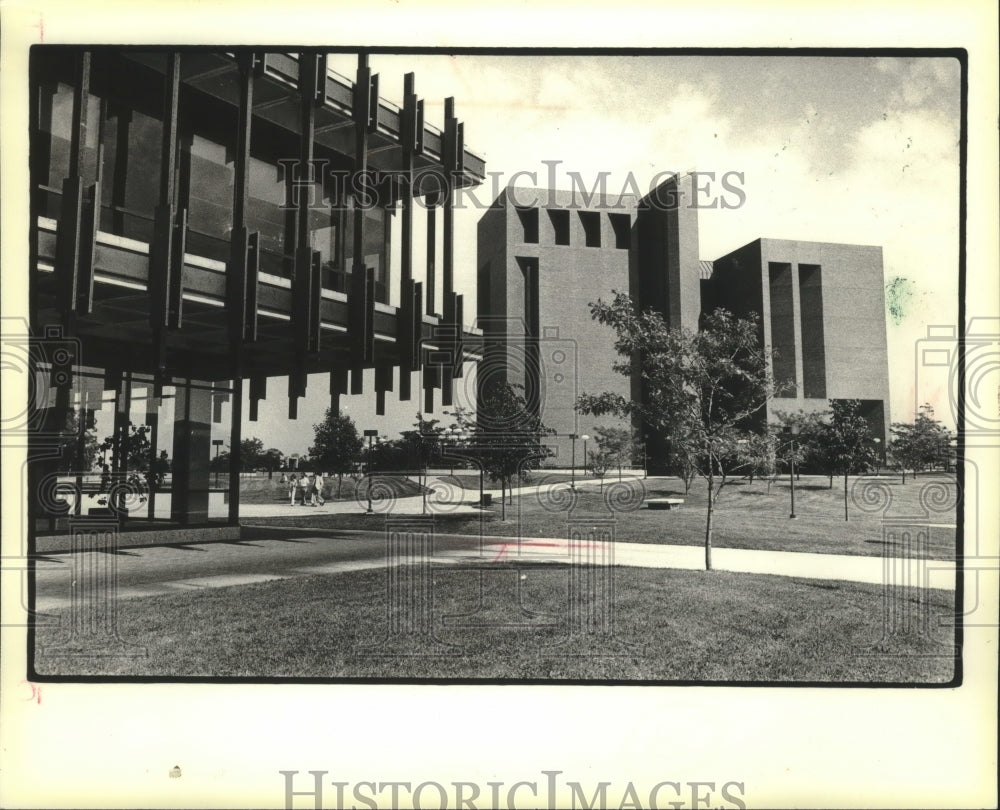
545, 255
195, 225
822, 309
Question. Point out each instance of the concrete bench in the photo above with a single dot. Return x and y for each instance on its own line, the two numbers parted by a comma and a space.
664, 503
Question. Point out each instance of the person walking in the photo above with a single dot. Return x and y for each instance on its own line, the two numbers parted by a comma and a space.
317, 490
292, 486
309, 492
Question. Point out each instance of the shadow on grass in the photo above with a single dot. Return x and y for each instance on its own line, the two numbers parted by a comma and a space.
825, 586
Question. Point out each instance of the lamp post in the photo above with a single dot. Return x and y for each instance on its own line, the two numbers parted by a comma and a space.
791, 476
371, 434
792, 479
478, 448
462, 437
572, 471
425, 458
878, 455
454, 433
218, 444
645, 470
585, 437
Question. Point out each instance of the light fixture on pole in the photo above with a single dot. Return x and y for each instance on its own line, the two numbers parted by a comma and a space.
425, 454
572, 471
878, 455
792, 431
477, 449
585, 437
482, 473
454, 433
371, 434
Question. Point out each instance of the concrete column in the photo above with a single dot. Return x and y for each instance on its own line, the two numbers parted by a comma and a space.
192, 454
800, 389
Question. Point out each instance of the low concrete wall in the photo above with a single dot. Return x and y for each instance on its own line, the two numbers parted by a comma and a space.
101, 535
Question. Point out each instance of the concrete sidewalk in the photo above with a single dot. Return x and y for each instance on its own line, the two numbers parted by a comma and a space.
850, 568
282, 553
446, 498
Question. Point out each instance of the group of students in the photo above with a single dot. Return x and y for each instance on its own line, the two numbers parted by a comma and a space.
307, 490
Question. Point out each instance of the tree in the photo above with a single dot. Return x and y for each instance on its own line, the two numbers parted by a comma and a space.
702, 388
219, 462
618, 444
848, 441
78, 447
132, 453
923, 444
251, 451
336, 445
806, 430
508, 436
682, 455
761, 455
272, 459
599, 462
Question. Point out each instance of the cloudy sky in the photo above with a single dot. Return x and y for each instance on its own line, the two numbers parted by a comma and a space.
860, 150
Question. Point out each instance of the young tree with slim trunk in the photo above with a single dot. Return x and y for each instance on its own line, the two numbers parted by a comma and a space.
807, 430
702, 388
131, 451
923, 444
683, 458
508, 436
848, 441
336, 446
425, 438
762, 456
617, 444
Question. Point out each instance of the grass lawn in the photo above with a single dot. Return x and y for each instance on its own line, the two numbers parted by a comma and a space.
511, 623
747, 516
470, 481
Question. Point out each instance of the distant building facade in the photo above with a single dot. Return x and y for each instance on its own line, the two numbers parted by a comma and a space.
545, 255
822, 309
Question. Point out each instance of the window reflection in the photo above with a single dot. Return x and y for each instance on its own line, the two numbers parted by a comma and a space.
122, 114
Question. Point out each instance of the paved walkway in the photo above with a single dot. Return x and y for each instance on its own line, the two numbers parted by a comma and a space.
851, 568
271, 553
446, 497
